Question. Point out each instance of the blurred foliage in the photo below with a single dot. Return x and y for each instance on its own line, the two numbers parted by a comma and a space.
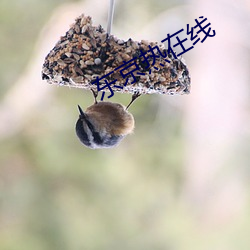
20, 23
56, 194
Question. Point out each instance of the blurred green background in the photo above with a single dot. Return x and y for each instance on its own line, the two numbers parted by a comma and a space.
181, 181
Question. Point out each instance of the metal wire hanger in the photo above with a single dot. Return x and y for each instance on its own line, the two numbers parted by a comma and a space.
110, 16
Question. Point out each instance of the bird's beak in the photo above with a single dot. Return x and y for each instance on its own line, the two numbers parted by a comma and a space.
82, 115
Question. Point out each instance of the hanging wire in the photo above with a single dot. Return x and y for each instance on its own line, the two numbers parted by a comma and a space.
110, 15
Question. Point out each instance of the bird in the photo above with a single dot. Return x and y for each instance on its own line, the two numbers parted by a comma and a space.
104, 124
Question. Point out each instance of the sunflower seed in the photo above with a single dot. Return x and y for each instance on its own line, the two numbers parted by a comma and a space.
85, 46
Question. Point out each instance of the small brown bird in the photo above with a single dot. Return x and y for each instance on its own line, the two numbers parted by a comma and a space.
104, 124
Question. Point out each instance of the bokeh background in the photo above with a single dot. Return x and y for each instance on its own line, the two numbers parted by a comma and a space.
180, 182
